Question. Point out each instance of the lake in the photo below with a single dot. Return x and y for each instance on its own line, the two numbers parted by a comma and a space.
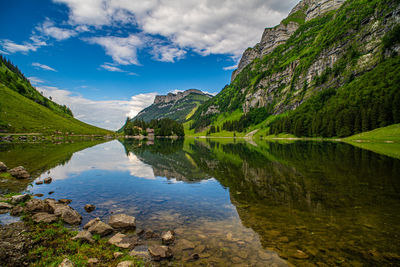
239, 203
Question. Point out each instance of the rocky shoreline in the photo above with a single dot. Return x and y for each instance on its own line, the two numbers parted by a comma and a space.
41, 216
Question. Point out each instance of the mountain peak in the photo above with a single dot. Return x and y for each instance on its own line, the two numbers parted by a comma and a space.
176, 96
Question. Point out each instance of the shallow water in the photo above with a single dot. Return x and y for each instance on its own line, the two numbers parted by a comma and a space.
244, 204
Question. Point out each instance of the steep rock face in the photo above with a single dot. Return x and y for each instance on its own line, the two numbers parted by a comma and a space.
174, 106
273, 37
175, 97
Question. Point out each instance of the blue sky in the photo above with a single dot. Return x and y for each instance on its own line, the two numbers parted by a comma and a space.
107, 59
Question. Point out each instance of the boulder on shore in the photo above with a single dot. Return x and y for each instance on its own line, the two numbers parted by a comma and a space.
84, 236
19, 173
20, 198
97, 227
122, 221
44, 217
5, 206
3, 167
37, 205
68, 214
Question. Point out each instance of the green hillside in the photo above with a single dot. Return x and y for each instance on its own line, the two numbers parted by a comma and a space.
336, 76
25, 110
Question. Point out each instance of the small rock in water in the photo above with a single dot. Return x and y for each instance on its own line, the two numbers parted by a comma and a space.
122, 221
51, 192
160, 252
38, 195
185, 244
89, 207
149, 234
194, 257
3, 167
300, 255
39, 182
84, 236
66, 263
64, 201
19, 173
44, 217
122, 241
48, 180
168, 237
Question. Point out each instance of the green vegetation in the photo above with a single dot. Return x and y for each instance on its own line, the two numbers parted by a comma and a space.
161, 127
19, 114
25, 110
389, 133
13, 78
52, 244
358, 93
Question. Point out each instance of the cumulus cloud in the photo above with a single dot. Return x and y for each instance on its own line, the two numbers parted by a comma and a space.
206, 26
167, 53
231, 67
42, 66
123, 50
109, 114
47, 28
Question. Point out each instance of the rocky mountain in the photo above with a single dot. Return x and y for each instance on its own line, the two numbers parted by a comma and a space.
179, 106
325, 51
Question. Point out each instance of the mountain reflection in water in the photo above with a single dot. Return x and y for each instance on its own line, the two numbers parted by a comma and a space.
245, 203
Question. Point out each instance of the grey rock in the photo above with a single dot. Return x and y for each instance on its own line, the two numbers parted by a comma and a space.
168, 237
89, 207
5, 206
91, 223
37, 205
84, 236
16, 211
122, 221
123, 241
68, 214
160, 252
44, 217
19, 173
100, 228
3, 167
20, 198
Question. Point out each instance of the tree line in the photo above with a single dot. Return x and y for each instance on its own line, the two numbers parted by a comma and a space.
161, 127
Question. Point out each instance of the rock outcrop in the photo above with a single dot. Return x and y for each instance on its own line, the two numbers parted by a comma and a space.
19, 173
273, 37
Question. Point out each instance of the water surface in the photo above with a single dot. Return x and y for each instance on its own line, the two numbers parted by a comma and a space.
240, 203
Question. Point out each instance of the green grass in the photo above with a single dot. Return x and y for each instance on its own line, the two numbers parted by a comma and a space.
19, 114
389, 133
387, 149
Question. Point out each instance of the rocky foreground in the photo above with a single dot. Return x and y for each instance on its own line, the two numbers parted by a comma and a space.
41, 238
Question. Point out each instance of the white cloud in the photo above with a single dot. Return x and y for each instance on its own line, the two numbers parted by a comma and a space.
230, 67
110, 67
109, 114
121, 49
42, 66
11, 47
35, 80
167, 53
47, 28
206, 26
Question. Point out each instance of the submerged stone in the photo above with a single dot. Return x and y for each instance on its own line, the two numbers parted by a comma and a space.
168, 237
160, 252
89, 207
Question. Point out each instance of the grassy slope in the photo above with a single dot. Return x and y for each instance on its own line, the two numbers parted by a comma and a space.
24, 115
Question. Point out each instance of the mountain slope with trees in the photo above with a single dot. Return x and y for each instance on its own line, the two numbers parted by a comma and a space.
335, 74
24, 110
